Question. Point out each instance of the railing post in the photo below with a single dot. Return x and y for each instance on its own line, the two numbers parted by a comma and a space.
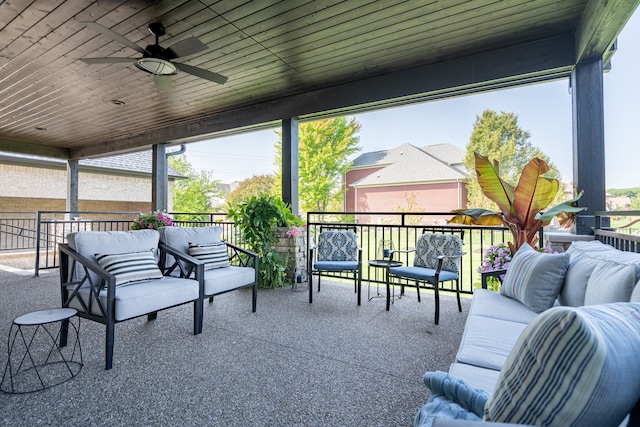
37, 266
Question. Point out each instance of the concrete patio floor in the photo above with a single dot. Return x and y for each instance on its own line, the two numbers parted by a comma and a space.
291, 363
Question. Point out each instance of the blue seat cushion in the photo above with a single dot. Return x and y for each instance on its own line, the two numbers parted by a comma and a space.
422, 273
336, 265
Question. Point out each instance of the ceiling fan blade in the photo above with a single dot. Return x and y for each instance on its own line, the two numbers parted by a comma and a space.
114, 36
108, 60
184, 47
162, 82
203, 74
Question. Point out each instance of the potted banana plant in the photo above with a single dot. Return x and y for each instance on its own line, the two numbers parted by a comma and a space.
523, 209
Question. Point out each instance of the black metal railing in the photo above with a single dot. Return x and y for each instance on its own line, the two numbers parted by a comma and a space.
403, 230
53, 227
18, 231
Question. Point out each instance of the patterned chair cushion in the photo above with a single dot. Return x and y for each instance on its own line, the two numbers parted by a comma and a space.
535, 278
338, 245
572, 367
430, 246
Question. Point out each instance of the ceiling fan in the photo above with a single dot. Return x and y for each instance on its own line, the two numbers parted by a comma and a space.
155, 59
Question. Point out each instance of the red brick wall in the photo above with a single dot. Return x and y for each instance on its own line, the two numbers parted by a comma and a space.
434, 197
351, 177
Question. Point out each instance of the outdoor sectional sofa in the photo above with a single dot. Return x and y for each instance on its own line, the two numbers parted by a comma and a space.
558, 345
114, 276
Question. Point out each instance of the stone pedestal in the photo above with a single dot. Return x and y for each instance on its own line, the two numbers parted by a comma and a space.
294, 251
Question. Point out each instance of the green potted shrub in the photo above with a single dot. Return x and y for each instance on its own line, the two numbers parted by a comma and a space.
257, 219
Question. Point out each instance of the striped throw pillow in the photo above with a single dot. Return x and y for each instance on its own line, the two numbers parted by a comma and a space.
130, 267
214, 255
534, 278
572, 366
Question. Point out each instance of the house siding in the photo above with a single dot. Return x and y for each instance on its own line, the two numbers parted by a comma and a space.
351, 177
432, 197
29, 188
22, 204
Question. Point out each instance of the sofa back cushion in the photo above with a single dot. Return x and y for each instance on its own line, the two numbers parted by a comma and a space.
584, 258
535, 278
611, 282
572, 367
90, 243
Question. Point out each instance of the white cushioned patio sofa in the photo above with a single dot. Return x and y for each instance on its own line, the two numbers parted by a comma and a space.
559, 345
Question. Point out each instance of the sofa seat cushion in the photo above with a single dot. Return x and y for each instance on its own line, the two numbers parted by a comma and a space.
572, 366
482, 378
221, 280
491, 304
535, 278
423, 273
487, 341
140, 298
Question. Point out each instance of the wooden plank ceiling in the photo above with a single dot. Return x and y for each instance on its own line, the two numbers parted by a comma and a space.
280, 57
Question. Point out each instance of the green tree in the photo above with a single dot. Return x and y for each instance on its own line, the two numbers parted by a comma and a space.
194, 193
412, 206
254, 186
499, 137
324, 150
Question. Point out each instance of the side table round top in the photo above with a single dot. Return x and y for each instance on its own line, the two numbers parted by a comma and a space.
384, 263
45, 316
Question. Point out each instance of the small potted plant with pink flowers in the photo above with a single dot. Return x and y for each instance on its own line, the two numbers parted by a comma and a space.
153, 221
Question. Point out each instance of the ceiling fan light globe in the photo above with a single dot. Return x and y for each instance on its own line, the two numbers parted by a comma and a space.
156, 66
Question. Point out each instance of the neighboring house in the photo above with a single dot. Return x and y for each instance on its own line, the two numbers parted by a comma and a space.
119, 183
219, 202
621, 203
408, 178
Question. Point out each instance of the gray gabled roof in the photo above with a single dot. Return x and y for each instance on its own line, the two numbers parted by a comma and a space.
137, 163
408, 164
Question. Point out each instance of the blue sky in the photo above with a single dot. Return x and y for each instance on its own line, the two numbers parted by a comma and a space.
543, 109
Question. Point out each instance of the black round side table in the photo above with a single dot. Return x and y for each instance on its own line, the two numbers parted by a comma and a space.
386, 264
40, 353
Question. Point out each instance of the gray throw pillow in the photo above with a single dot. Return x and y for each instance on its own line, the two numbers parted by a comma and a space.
535, 278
